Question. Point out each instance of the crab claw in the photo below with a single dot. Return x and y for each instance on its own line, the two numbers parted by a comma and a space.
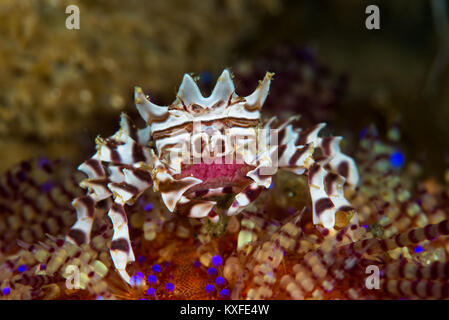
244, 198
213, 216
120, 259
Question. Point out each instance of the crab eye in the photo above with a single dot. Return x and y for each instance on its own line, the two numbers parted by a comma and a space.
196, 108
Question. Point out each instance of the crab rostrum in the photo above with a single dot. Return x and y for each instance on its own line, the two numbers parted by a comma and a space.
199, 149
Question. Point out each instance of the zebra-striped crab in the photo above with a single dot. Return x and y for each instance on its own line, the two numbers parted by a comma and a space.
200, 148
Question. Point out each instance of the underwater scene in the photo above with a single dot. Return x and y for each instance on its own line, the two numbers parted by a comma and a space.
224, 150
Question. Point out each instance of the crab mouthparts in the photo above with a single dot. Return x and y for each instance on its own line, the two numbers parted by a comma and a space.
217, 174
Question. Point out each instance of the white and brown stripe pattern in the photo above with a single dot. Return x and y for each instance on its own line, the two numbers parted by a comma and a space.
115, 171
429, 232
244, 198
412, 271
326, 191
292, 143
295, 152
121, 250
28, 195
417, 288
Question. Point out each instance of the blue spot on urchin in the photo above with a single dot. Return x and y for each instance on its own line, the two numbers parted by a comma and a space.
212, 271
151, 292
156, 268
152, 278
220, 281
210, 288
169, 287
22, 268
418, 249
141, 259
224, 293
135, 281
47, 186
6, 291
149, 206
217, 260
43, 267
397, 159
100, 298
22, 175
365, 226
197, 264
42, 162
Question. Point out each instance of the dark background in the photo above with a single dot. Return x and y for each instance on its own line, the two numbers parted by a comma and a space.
60, 88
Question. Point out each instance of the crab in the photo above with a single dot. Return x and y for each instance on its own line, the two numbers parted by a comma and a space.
199, 149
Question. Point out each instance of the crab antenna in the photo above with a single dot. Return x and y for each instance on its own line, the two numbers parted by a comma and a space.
148, 110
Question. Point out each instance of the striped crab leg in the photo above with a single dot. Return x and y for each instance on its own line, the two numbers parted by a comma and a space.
261, 175
244, 198
262, 178
85, 205
198, 208
326, 191
173, 193
295, 153
120, 250
125, 180
326, 187
268, 159
212, 192
135, 182
338, 161
332, 157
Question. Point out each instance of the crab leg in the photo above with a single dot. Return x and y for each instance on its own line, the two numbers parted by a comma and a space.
262, 177
295, 153
212, 192
332, 157
244, 198
338, 161
85, 205
267, 165
175, 194
326, 191
197, 208
127, 178
135, 182
326, 188
121, 250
